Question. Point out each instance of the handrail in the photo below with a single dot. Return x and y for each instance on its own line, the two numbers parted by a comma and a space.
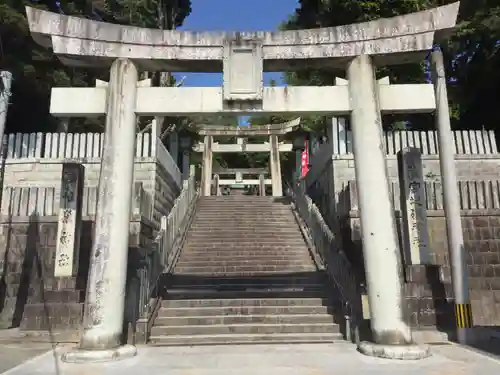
168, 242
337, 265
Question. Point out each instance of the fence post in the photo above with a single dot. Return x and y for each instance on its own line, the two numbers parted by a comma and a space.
5, 84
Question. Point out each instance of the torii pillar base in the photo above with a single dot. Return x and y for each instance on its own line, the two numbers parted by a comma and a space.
97, 356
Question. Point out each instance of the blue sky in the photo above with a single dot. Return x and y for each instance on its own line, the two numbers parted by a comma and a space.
234, 15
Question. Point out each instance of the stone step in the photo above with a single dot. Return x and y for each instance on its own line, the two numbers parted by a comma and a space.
244, 243
49, 283
241, 253
214, 253
305, 278
242, 214
52, 316
252, 247
249, 224
52, 296
244, 206
264, 253
167, 312
209, 260
36, 294
248, 261
244, 199
244, 319
200, 258
220, 217
245, 224
246, 292
214, 267
253, 271
250, 230
221, 329
227, 199
217, 287
233, 339
237, 303
230, 235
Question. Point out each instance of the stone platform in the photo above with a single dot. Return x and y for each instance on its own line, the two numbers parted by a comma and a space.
303, 359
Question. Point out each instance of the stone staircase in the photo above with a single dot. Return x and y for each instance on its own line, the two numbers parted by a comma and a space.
245, 275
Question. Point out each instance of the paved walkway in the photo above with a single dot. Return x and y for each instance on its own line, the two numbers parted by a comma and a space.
15, 353
276, 360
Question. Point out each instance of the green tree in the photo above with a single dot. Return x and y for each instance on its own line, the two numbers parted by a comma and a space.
472, 54
474, 65
36, 70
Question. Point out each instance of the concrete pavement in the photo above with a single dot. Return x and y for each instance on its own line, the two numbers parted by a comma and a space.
15, 353
309, 359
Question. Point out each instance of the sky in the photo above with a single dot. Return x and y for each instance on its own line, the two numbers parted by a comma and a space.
234, 15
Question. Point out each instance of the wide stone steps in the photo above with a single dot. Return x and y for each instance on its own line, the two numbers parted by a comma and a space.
245, 275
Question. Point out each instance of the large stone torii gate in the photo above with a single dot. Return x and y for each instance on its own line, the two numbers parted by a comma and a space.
243, 57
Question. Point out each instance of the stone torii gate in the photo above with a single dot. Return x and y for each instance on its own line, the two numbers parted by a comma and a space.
243, 57
274, 147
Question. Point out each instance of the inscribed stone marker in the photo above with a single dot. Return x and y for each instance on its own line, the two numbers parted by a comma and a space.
70, 220
415, 230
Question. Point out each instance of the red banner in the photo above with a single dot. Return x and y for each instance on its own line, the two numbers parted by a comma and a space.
304, 168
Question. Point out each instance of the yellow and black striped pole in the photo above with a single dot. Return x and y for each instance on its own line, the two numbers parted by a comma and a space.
463, 315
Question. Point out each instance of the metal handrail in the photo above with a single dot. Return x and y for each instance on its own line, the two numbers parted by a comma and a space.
161, 260
338, 266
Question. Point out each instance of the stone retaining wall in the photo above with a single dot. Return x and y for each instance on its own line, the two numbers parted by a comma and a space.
428, 288
32, 298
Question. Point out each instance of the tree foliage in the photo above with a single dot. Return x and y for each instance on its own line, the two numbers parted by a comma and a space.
36, 70
472, 54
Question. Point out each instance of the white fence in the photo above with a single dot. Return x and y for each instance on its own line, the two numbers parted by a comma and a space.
45, 201
67, 145
468, 142
59, 146
474, 195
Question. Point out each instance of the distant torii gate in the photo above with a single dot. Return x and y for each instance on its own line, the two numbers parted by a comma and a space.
274, 147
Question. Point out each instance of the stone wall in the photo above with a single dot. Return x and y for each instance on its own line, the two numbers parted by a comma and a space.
32, 298
153, 176
428, 288
469, 168
36, 160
